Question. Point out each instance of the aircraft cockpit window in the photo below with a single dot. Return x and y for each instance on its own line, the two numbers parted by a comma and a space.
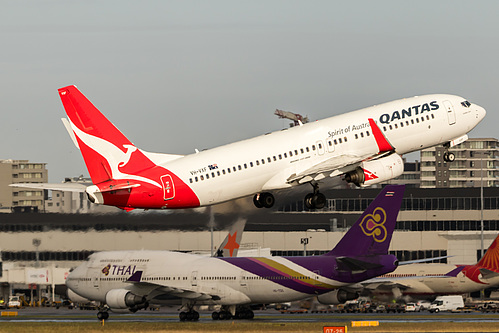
466, 104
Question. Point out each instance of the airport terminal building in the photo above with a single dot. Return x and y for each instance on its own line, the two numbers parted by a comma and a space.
431, 223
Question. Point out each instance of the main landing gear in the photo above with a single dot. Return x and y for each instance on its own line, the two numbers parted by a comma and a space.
264, 199
242, 313
315, 200
190, 315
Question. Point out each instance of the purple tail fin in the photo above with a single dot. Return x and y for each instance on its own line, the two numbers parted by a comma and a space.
372, 232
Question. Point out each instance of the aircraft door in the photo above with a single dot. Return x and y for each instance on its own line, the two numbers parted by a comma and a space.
243, 279
168, 187
451, 113
95, 280
330, 145
320, 147
194, 278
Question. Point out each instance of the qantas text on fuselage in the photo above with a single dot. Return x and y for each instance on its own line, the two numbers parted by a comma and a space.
363, 147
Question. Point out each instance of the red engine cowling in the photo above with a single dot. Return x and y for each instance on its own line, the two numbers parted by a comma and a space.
376, 171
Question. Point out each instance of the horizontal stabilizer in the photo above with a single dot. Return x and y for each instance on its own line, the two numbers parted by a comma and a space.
355, 265
118, 187
487, 273
70, 187
410, 262
67, 125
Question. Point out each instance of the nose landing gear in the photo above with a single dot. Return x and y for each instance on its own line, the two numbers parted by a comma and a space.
449, 157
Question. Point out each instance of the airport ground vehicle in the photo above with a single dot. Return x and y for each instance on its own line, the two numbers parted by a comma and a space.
412, 307
14, 302
446, 303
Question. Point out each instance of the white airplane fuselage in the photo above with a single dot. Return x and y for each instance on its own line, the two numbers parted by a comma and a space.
405, 133
363, 145
197, 275
420, 280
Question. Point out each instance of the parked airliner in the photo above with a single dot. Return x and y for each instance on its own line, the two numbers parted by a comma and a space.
429, 280
363, 147
127, 281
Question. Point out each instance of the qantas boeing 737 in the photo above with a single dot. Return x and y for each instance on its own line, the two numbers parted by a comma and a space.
363, 147
127, 281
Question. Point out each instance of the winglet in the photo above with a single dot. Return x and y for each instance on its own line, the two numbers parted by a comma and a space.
136, 277
383, 144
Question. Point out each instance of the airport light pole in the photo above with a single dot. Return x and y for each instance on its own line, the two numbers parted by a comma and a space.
304, 241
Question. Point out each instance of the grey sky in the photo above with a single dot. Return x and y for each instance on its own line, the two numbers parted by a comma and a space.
180, 75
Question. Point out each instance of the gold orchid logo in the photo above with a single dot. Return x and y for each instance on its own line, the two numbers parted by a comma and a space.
106, 270
373, 225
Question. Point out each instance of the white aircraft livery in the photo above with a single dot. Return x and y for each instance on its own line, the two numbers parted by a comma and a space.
127, 281
363, 147
429, 280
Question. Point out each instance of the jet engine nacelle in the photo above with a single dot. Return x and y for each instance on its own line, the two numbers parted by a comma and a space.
337, 296
123, 299
376, 171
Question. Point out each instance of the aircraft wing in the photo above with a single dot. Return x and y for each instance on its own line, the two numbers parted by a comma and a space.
159, 289
355, 265
163, 289
383, 284
71, 187
335, 165
331, 167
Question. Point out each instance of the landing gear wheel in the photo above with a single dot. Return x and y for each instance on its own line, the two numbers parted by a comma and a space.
189, 316
315, 200
257, 203
319, 200
102, 315
449, 157
265, 199
215, 315
308, 201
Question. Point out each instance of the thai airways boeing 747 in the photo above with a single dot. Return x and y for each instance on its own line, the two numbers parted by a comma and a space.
126, 281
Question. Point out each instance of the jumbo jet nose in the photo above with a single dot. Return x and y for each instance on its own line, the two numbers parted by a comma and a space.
72, 279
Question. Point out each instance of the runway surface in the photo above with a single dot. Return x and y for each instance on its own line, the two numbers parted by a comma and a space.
165, 315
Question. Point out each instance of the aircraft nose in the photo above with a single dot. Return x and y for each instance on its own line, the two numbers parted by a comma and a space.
72, 279
480, 112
